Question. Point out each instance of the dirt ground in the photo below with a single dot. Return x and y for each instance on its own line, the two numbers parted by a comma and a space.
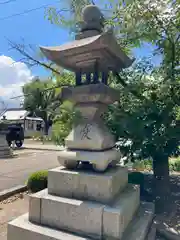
11, 209
170, 219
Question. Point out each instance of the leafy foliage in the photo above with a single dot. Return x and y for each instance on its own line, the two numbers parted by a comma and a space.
37, 181
63, 122
41, 97
156, 22
67, 17
136, 178
174, 165
36, 98
150, 122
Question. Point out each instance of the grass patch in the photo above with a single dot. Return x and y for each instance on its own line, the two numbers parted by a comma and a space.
174, 165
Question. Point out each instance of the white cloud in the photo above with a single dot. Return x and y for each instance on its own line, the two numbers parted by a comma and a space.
13, 75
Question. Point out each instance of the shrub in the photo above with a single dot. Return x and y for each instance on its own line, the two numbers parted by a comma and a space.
174, 164
136, 178
143, 165
37, 181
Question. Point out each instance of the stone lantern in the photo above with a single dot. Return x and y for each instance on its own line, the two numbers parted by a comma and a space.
5, 150
79, 203
92, 55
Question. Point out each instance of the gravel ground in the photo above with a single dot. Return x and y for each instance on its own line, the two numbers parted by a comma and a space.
10, 209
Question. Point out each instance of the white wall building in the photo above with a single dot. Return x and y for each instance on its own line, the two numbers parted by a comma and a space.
19, 115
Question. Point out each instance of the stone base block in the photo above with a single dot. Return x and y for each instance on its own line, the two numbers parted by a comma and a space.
117, 216
67, 214
22, 229
90, 219
87, 185
139, 227
99, 160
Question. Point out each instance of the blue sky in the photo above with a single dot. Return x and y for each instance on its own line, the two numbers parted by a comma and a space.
36, 30
32, 27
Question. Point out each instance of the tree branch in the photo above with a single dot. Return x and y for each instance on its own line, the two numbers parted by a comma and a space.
159, 22
30, 60
125, 85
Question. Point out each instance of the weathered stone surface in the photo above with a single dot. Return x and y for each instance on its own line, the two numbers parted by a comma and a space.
91, 219
72, 215
139, 226
93, 93
22, 229
100, 160
90, 136
117, 216
91, 111
35, 201
83, 53
87, 185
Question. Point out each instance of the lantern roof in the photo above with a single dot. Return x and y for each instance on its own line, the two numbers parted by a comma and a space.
91, 47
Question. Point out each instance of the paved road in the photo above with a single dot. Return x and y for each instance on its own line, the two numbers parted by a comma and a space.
15, 171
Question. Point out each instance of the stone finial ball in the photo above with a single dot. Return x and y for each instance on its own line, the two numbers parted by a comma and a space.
91, 13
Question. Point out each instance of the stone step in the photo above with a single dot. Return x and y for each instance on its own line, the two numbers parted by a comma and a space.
21, 228
117, 216
85, 217
140, 225
89, 185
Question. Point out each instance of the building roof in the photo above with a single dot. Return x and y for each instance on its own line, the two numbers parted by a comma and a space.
34, 118
16, 114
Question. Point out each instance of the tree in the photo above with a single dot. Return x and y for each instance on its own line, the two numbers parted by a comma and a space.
151, 124
39, 101
155, 22
43, 97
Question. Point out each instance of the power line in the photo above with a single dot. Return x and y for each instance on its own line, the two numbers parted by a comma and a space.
33, 9
29, 10
6, 2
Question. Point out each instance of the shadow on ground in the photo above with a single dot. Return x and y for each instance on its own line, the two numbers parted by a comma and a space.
172, 216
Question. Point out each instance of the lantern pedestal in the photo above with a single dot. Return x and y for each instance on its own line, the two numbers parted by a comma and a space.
90, 141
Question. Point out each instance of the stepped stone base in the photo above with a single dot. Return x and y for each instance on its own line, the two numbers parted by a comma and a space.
87, 205
22, 228
102, 187
85, 217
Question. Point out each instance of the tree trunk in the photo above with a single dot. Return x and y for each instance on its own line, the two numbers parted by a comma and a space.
46, 123
46, 127
161, 188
